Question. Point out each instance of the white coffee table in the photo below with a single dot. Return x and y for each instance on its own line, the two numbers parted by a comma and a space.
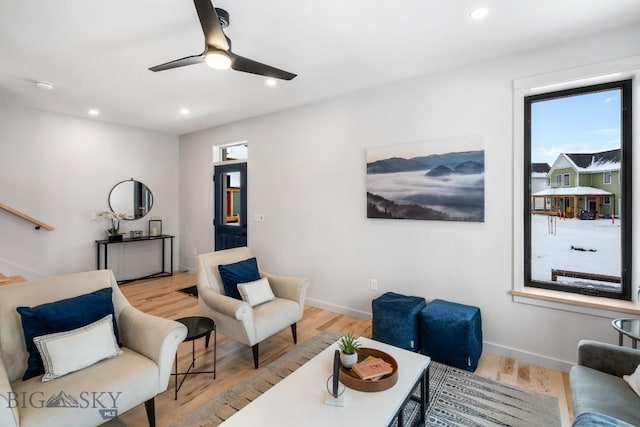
299, 398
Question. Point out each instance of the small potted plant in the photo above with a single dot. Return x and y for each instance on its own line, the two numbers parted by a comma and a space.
348, 350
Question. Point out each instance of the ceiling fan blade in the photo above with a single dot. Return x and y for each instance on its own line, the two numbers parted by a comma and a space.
210, 23
182, 62
240, 63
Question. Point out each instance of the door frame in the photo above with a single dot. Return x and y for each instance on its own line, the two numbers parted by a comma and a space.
216, 210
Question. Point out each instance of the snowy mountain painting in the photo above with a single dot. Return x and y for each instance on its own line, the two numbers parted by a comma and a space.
426, 181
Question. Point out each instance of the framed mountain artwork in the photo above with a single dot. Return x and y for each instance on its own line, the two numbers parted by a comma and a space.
441, 180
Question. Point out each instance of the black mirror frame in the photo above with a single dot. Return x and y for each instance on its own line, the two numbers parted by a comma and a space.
139, 211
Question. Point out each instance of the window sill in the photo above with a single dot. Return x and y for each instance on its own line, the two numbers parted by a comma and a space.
595, 306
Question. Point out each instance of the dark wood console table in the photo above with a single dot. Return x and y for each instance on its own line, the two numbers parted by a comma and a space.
126, 240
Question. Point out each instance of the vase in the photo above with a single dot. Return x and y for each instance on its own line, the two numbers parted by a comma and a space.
115, 238
348, 360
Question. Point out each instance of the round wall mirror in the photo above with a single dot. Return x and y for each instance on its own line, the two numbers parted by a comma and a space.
131, 198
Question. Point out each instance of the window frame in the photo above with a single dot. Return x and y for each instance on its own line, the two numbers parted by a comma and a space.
566, 180
604, 177
625, 176
220, 156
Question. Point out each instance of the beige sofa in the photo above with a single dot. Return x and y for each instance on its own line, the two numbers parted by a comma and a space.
95, 394
238, 320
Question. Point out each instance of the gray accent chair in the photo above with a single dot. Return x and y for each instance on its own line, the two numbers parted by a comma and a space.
597, 386
238, 320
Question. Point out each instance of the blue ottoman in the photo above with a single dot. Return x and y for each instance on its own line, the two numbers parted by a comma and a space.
451, 333
395, 320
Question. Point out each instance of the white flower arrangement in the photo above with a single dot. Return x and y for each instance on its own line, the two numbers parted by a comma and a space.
115, 218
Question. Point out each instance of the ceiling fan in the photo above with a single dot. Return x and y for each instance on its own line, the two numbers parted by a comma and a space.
217, 50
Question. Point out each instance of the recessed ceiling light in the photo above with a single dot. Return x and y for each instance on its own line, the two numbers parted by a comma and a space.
184, 111
271, 82
94, 112
479, 13
44, 85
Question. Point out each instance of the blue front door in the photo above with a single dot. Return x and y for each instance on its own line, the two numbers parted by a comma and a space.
230, 205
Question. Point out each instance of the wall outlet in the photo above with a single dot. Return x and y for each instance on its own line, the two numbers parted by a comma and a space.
373, 284
258, 217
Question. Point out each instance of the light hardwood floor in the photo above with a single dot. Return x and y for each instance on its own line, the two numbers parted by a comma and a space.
235, 363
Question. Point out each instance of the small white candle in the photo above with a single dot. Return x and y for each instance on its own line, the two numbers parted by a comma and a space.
154, 231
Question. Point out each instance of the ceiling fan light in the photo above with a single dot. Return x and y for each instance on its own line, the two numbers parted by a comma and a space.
218, 59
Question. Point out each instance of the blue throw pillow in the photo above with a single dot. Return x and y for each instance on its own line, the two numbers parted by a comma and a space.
61, 316
239, 272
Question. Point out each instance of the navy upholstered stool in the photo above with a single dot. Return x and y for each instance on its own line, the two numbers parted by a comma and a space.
395, 320
451, 333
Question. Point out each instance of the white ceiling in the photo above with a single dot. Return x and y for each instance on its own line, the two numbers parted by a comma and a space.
97, 53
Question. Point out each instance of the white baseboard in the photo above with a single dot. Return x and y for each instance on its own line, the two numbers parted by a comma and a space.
528, 357
9, 268
338, 309
489, 347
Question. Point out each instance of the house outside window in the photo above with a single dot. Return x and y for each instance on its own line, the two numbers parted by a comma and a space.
561, 252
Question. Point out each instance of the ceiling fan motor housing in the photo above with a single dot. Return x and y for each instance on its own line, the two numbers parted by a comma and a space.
223, 17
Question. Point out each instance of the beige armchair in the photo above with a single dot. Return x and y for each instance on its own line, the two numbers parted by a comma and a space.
95, 394
238, 320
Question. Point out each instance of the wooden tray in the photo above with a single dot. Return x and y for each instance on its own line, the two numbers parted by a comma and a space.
351, 380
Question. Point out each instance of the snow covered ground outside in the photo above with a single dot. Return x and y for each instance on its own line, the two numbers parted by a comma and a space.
599, 238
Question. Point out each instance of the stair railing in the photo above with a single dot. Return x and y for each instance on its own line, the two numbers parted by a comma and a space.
38, 224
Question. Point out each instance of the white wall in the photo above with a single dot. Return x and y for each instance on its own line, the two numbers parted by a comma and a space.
60, 169
306, 175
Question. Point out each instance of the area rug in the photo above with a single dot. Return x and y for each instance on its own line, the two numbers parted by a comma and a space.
456, 397
191, 291
461, 398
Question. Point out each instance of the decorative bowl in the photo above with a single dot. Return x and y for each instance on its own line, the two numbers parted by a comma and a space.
351, 380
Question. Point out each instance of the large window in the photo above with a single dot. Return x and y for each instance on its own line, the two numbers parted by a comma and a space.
579, 241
